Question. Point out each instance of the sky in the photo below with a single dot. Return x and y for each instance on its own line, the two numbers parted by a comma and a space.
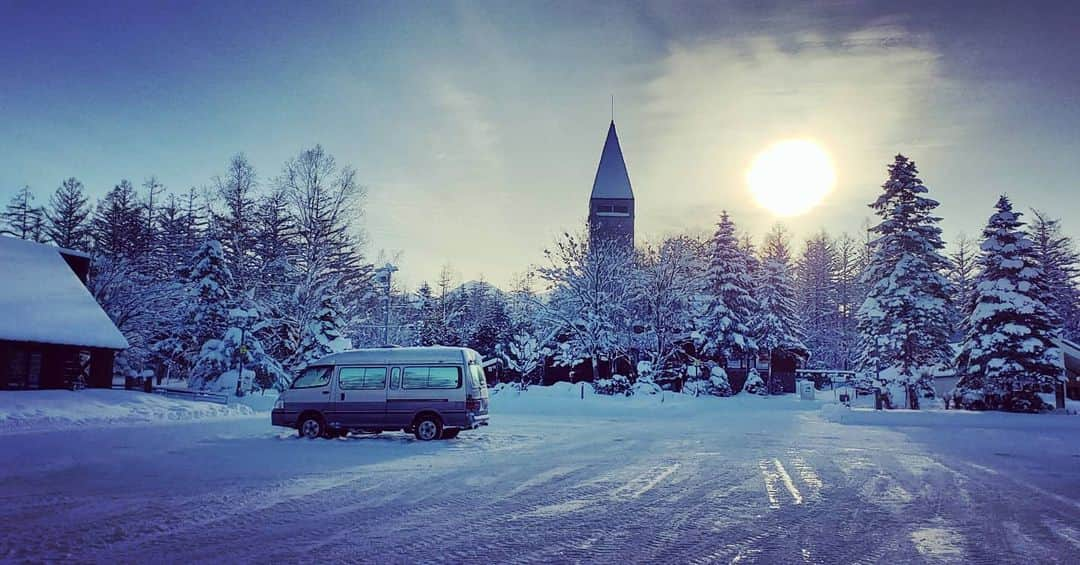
476, 127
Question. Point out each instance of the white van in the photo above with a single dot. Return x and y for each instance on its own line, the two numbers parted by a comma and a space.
432, 392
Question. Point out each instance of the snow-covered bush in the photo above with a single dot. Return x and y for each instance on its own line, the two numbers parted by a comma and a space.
716, 385
524, 356
617, 384
645, 385
754, 384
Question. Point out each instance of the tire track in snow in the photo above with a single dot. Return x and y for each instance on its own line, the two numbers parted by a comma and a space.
645, 482
790, 484
776, 474
770, 484
807, 474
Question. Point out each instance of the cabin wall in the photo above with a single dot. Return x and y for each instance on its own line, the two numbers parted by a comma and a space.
33, 366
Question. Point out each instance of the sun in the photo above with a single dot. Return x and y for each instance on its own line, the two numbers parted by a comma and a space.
791, 177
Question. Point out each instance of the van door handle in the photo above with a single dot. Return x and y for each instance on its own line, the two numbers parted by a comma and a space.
326, 392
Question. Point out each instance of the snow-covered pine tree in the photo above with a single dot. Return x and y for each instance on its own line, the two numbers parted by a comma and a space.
1008, 355
962, 271
754, 384
817, 273
236, 225
523, 356
728, 300
238, 357
324, 334
427, 332
489, 323
21, 218
119, 224
776, 326
152, 202
206, 317
67, 216
1060, 263
904, 321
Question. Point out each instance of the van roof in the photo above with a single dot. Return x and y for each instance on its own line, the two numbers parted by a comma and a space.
434, 354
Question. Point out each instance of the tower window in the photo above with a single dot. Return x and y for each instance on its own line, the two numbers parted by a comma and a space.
612, 210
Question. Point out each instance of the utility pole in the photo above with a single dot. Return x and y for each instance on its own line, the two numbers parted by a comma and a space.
383, 274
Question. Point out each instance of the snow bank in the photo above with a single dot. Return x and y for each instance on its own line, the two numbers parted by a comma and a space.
947, 419
64, 409
565, 399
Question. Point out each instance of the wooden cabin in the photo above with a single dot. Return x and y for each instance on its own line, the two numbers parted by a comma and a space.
53, 333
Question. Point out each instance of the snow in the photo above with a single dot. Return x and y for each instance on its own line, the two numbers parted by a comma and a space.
44, 301
35, 411
555, 478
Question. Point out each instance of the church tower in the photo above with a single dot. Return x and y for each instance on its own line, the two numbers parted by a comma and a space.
611, 206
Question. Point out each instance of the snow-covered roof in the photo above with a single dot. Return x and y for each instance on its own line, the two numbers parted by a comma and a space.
612, 180
42, 300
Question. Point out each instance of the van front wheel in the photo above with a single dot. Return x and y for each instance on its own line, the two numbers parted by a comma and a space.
427, 428
310, 427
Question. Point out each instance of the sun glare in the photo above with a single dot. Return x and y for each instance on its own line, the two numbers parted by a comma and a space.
791, 177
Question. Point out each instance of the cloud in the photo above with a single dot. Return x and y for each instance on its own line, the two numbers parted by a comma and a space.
713, 105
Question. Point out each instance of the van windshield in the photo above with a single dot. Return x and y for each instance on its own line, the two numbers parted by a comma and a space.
313, 377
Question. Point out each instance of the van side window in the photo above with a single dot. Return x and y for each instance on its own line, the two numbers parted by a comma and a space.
395, 378
362, 378
432, 377
313, 377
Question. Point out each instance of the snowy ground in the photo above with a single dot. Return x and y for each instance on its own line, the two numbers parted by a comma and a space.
30, 411
555, 479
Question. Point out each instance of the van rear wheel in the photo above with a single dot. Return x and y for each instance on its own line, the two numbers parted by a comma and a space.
427, 428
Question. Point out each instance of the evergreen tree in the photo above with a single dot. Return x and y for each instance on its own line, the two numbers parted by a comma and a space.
725, 326
430, 327
22, 219
1057, 256
207, 303
850, 293
962, 272
776, 326
236, 225
68, 215
904, 321
119, 224
324, 334
819, 309
1008, 354
151, 242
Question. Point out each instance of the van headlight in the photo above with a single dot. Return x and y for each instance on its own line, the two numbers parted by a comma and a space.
279, 404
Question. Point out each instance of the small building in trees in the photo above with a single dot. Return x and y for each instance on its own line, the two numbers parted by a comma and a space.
1070, 360
53, 333
611, 204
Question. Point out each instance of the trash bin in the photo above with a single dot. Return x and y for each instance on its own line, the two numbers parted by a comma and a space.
879, 401
806, 390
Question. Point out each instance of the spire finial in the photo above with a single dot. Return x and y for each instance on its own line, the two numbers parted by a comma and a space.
613, 107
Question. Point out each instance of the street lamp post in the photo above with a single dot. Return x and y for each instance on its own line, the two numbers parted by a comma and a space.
383, 274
